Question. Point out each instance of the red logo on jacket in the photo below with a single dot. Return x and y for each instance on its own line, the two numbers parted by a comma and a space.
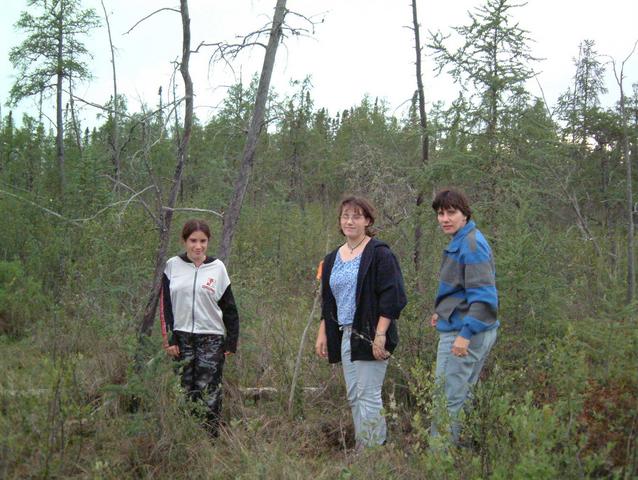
210, 285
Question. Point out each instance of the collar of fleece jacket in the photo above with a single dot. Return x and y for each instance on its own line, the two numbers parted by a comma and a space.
459, 236
184, 257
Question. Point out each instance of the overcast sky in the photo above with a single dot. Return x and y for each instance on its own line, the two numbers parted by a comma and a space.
359, 47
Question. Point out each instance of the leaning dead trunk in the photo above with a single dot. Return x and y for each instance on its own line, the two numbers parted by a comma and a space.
166, 214
231, 216
115, 137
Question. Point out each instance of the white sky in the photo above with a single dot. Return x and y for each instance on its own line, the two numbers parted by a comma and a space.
361, 47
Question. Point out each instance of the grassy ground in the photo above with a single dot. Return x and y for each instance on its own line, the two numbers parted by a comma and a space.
77, 408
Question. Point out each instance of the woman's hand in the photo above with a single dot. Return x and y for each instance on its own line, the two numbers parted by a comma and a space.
321, 345
378, 345
433, 319
459, 347
378, 348
172, 350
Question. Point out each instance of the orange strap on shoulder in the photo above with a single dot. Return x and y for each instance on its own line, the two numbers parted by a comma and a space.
319, 270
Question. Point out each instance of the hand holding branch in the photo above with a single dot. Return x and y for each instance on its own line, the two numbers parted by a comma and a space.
459, 347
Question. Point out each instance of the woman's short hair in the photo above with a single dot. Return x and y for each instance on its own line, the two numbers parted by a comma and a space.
195, 225
452, 198
362, 206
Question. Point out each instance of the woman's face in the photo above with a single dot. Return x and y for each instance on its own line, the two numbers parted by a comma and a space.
353, 223
451, 220
196, 245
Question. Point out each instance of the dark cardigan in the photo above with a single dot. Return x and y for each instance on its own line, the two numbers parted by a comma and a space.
380, 292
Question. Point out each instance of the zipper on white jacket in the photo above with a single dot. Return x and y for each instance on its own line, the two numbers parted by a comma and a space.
193, 307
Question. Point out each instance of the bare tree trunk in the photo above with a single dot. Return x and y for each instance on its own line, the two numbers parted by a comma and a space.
115, 137
631, 266
160, 109
231, 216
166, 213
425, 139
40, 114
631, 273
425, 146
302, 341
176, 135
59, 138
74, 120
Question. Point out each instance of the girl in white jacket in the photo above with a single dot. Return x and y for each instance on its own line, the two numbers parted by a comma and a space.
199, 319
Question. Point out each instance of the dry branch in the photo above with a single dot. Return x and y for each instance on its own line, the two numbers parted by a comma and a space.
149, 16
136, 194
295, 375
200, 210
78, 221
47, 210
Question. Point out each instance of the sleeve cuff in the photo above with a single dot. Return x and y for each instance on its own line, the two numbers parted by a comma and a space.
230, 346
466, 332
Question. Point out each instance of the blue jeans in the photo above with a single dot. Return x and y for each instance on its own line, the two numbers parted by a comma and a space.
364, 380
457, 375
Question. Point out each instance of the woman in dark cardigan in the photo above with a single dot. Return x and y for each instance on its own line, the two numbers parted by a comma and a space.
363, 295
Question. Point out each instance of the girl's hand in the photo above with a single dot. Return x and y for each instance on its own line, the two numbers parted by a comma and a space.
172, 350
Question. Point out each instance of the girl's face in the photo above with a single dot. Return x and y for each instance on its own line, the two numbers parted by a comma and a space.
196, 245
353, 223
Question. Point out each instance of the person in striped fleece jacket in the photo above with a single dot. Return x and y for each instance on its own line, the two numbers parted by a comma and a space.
466, 306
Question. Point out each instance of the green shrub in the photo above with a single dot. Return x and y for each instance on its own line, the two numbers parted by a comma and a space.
22, 301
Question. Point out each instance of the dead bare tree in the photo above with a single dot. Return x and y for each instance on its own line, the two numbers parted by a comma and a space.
162, 214
425, 145
166, 214
74, 120
115, 137
231, 216
302, 341
619, 73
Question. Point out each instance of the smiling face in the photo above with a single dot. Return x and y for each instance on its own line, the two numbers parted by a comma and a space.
451, 220
196, 245
353, 222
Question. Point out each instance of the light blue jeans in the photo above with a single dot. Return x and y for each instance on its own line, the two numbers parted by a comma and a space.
364, 380
457, 375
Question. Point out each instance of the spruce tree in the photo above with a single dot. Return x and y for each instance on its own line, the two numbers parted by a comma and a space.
51, 53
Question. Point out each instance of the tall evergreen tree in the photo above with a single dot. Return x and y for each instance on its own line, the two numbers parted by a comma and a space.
494, 58
581, 101
493, 63
51, 53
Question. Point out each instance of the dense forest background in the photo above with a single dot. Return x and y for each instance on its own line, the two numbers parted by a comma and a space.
90, 214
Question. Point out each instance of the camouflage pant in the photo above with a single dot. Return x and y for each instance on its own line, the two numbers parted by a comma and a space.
202, 359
